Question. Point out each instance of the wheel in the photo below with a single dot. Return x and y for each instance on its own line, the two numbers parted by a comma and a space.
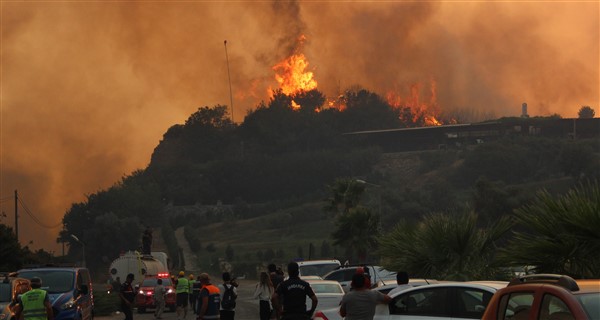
141, 310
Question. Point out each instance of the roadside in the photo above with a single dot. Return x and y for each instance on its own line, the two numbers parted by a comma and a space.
246, 309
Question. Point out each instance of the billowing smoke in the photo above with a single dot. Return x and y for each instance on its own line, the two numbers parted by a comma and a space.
89, 88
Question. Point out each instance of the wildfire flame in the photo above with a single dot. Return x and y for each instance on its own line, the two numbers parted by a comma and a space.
291, 75
420, 112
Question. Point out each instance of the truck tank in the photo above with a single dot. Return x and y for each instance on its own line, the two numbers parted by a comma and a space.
140, 265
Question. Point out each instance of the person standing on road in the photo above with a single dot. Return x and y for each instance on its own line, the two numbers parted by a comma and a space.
191, 292
35, 304
276, 278
402, 280
196, 287
263, 292
127, 295
183, 291
227, 313
209, 303
159, 299
360, 302
289, 299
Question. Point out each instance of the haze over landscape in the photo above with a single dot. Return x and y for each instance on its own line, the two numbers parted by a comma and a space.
89, 88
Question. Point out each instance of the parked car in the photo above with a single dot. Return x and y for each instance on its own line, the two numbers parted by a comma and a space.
317, 267
328, 292
385, 286
69, 289
343, 275
144, 299
546, 296
449, 300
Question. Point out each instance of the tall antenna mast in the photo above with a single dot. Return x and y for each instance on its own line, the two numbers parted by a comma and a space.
229, 76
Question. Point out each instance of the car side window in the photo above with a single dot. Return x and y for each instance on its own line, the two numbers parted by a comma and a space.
336, 276
471, 302
426, 302
553, 308
515, 306
348, 274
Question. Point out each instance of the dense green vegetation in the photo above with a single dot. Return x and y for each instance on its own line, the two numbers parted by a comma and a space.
284, 184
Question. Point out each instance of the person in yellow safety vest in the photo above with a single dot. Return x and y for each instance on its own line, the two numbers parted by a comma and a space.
183, 291
35, 304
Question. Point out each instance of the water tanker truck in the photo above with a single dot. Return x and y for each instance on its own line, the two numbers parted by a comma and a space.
138, 264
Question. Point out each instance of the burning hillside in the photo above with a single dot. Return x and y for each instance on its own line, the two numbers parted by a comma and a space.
293, 77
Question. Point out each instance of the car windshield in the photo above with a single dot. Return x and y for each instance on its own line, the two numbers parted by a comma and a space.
326, 288
4, 292
317, 269
385, 274
53, 281
151, 282
591, 304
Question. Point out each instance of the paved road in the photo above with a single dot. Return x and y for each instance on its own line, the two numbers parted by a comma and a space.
246, 308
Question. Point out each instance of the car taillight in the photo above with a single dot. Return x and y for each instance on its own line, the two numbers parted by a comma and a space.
319, 316
149, 293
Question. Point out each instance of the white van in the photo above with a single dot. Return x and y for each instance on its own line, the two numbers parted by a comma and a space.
317, 267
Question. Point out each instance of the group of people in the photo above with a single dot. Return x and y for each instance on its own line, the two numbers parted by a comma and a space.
206, 301
286, 300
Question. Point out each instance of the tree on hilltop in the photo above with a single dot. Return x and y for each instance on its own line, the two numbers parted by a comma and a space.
586, 112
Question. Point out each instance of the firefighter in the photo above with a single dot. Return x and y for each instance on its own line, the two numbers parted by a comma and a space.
183, 292
35, 304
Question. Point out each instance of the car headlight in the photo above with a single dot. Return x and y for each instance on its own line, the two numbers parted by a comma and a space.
141, 292
68, 305
170, 291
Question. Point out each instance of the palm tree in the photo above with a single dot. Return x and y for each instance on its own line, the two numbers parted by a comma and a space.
356, 226
561, 234
444, 246
357, 231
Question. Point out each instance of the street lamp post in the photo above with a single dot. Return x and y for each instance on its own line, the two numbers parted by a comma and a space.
82, 249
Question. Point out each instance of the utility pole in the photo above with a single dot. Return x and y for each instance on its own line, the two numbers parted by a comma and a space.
17, 215
229, 76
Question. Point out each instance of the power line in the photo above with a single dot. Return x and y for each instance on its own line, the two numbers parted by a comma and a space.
35, 219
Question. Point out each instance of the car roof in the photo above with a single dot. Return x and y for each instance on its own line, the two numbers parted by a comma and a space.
321, 281
491, 286
309, 262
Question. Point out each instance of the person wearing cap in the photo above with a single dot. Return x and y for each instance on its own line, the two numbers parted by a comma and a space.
183, 291
289, 299
127, 295
360, 302
209, 301
34, 304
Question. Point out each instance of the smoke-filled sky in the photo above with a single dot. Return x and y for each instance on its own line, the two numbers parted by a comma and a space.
88, 88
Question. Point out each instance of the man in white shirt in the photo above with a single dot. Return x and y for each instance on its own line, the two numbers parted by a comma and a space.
402, 280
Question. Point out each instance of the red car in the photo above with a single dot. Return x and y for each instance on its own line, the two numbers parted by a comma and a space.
546, 297
144, 299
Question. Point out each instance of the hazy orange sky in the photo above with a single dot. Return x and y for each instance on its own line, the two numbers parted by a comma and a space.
88, 88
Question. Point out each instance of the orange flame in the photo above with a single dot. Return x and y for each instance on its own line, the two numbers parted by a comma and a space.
426, 113
291, 75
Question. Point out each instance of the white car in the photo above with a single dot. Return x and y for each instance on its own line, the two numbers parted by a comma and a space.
443, 301
317, 267
328, 292
344, 274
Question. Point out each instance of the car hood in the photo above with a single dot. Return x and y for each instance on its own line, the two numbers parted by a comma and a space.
58, 299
